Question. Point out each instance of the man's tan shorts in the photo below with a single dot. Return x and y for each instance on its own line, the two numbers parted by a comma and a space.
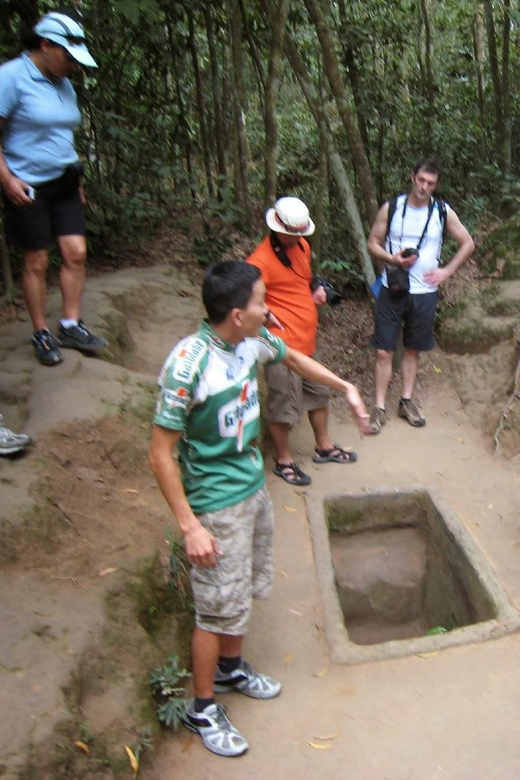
288, 395
223, 596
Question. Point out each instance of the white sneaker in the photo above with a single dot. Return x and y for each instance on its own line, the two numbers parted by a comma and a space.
246, 680
12, 442
217, 732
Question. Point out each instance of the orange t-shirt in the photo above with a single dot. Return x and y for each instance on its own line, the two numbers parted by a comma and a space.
289, 296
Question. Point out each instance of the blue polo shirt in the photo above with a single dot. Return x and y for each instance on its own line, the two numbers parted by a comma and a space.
40, 117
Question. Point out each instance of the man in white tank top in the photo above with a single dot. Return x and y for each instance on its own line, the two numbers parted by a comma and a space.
413, 244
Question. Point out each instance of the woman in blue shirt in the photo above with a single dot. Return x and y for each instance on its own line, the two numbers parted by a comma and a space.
40, 176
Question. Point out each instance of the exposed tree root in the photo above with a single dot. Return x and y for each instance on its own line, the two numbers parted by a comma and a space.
506, 410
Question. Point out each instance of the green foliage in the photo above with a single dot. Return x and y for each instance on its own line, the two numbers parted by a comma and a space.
164, 682
220, 217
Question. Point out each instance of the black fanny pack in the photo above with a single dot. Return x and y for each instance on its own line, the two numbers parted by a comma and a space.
398, 280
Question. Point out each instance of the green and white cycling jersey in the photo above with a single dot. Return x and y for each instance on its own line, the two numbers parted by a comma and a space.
209, 391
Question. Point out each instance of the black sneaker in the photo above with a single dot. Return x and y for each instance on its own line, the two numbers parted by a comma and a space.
79, 337
47, 351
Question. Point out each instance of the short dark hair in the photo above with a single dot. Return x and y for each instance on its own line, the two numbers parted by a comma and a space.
31, 41
429, 165
228, 285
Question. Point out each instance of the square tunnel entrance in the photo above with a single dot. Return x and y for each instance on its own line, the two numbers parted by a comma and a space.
399, 575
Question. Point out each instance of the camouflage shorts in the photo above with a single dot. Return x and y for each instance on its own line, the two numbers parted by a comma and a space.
223, 596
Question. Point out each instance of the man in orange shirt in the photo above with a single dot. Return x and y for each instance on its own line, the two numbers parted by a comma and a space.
284, 259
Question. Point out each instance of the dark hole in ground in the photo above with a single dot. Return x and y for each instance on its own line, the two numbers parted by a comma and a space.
400, 572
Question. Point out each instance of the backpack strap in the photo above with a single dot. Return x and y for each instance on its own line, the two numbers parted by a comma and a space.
392, 205
443, 218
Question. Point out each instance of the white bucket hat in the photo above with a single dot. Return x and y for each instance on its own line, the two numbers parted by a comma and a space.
64, 31
290, 216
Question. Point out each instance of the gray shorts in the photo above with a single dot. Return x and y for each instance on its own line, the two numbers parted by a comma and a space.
288, 395
223, 595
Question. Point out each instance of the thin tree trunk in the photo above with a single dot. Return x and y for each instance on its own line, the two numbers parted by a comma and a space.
322, 177
241, 149
478, 52
201, 103
495, 77
337, 168
271, 97
216, 94
349, 61
428, 82
256, 58
506, 96
318, 11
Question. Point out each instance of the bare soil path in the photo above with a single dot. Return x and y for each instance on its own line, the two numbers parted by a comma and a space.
453, 715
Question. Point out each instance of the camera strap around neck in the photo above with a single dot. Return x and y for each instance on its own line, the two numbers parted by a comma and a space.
430, 212
282, 255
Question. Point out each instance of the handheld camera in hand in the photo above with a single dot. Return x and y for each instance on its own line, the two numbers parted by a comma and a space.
332, 295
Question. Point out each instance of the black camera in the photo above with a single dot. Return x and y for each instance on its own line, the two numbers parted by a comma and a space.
409, 252
333, 297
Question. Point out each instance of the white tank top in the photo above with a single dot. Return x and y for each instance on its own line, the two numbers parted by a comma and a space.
405, 233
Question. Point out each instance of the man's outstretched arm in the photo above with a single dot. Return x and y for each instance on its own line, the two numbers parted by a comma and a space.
313, 371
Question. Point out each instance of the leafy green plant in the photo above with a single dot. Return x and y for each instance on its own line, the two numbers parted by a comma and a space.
164, 682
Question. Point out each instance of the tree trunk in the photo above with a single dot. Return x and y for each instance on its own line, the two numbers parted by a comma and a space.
506, 95
271, 97
332, 69
201, 104
428, 83
241, 147
497, 84
216, 95
478, 56
349, 62
337, 168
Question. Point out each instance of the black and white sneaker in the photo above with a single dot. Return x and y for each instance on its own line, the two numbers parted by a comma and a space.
216, 730
246, 680
79, 337
47, 351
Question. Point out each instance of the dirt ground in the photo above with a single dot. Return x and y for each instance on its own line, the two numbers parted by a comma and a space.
82, 523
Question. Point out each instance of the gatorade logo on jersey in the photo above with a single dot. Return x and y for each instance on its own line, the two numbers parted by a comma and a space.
188, 360
235, 415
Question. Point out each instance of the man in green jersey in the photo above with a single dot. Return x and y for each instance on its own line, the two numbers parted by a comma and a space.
208, 408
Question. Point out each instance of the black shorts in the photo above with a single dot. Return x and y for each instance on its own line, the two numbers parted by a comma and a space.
57, 210
415, 312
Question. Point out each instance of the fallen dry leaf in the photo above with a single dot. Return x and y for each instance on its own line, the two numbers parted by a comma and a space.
104, 572
288, 659
329, 738
321, 672
428, 655
290, 509
295, 612
82, 746
437, 370
320, 746
134, 763
130, 490
284, 574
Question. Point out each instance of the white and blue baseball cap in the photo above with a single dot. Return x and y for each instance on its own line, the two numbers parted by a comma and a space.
66, 32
